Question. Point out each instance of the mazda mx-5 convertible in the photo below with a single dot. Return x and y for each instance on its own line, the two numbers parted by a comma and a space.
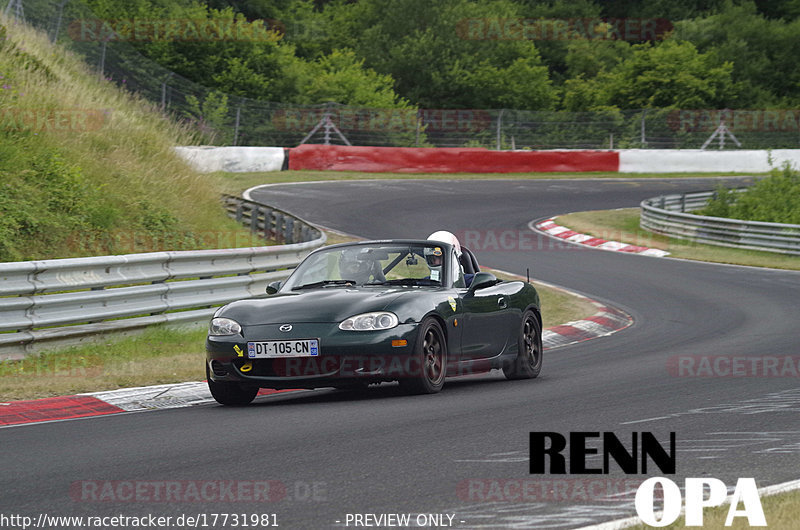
350, 315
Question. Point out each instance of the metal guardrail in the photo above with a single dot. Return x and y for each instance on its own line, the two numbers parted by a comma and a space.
270, 222
667, 215
66, 301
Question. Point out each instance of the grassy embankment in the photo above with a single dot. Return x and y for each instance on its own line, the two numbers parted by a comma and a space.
87, 168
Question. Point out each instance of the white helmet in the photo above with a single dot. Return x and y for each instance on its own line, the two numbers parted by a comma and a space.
446, 237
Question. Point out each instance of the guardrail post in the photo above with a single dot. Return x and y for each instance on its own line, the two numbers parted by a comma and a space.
288, 236
254, 211
269, 231
279, 234
683, 202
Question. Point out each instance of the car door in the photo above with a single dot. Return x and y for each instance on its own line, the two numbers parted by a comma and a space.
487, 321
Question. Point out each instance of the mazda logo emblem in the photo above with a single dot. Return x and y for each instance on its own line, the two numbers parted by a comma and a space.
285, 328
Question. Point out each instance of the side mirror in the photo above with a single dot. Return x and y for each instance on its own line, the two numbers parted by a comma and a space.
482, 280
273, 287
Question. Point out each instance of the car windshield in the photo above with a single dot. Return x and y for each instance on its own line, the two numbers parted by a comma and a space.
415, 264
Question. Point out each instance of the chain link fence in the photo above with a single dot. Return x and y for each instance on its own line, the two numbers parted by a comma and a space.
244, 121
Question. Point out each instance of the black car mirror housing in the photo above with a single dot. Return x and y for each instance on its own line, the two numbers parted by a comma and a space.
274, 287
483, 280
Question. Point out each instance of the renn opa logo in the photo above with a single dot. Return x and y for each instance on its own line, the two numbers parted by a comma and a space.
549, 448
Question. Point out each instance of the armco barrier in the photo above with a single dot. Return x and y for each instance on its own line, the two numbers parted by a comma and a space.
667, 215
704, 161
233, 159
64, 301
453, 160
446, 160
270, 222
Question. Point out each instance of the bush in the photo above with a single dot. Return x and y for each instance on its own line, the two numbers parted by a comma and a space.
775, 199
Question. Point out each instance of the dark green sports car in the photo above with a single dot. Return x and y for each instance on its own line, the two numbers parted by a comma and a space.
413, 311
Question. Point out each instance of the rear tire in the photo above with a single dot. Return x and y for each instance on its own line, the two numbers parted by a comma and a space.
430, 356
528, 362
231, 394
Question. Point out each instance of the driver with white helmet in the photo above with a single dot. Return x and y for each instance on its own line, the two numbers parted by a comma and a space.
446, 237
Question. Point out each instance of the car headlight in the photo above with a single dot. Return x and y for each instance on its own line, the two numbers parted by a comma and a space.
370, 322
224, 326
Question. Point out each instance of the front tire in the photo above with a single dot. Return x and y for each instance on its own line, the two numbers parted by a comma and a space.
430, 358
231, 394
528, 362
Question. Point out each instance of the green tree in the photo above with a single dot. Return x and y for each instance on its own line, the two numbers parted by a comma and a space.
554, 52
763, 53
786, 9
341, 77
670, 74
588, 58
209, 115
448, 54
669, 9
260, 62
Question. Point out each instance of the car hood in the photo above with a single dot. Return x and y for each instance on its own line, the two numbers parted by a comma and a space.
330, 304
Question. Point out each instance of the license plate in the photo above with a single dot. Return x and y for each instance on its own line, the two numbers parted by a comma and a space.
283, 348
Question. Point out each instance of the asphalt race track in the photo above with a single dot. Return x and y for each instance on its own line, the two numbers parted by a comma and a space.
465, 451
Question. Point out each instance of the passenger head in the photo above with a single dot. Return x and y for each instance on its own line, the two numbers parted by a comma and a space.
353, 268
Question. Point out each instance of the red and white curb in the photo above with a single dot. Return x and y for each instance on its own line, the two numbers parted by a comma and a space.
606, 321
549, 227
137, 399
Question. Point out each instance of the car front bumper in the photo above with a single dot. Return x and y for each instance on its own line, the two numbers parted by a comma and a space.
344, 356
